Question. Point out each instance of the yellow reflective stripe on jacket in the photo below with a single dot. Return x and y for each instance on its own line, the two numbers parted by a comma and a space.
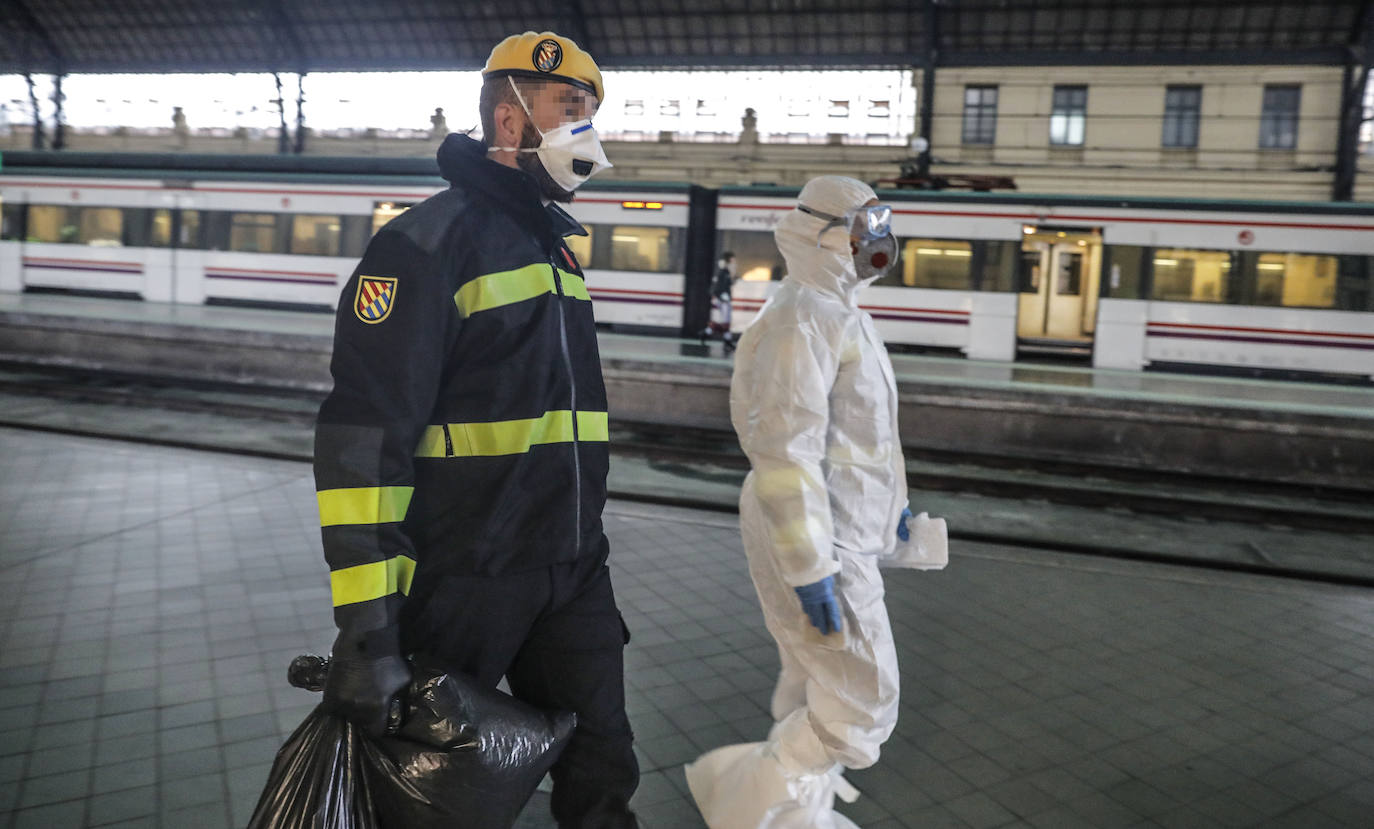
377, 580
593, 426
364, 505
511, 437
574, 285
508, 287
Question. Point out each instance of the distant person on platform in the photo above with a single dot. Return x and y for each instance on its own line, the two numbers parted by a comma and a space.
179, 128
814, 403
721, 302
438, 124
461, 458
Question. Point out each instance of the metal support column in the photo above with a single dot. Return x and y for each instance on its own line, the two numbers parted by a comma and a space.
283, 136
39, 141
59, 117
300, 113
1354, 82
929, 59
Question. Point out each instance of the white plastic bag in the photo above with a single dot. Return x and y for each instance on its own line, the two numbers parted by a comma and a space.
926, 547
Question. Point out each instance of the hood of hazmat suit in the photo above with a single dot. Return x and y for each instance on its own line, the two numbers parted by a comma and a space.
814, 402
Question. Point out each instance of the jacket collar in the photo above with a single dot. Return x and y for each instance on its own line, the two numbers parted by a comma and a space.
464, 163
563, 222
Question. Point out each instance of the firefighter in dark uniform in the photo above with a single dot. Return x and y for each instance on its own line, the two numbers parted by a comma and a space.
461, 458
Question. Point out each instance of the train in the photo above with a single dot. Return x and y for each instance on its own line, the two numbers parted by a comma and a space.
1226, 286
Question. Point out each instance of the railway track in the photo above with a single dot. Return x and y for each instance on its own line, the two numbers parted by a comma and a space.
715, 457
1139, 490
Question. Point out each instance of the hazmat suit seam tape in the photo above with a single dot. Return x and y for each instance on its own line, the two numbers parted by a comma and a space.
512, 437
495, 290
364, 505
377, 580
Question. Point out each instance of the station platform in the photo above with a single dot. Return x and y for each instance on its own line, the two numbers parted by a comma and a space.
156, 596
1303, 433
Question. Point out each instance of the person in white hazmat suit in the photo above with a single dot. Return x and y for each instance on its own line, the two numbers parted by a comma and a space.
814, 403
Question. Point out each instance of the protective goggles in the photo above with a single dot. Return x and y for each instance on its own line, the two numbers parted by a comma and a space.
867, 223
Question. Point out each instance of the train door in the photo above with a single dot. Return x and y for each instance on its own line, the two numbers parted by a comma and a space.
1059, 276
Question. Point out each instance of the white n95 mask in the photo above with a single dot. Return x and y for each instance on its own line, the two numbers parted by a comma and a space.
571, 153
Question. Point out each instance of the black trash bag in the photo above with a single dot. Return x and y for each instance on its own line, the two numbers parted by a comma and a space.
459, 755
321, 779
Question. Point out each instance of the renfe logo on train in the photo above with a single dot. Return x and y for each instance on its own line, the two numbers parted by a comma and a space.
376, 294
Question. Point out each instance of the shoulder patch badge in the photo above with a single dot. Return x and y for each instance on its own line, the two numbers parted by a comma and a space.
376, 296
548, 54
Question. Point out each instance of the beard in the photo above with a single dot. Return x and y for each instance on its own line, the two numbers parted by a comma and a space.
530, 163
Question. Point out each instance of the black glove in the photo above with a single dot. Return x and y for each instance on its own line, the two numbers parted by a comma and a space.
366, 671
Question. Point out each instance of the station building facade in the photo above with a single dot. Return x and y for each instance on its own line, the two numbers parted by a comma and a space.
1241, 132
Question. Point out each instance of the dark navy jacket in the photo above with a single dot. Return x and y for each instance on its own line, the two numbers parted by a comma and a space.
466, 431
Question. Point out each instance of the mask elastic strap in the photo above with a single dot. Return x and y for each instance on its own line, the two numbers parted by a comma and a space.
831, 221
528, 114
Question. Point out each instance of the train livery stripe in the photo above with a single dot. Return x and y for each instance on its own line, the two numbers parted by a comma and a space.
1036, 218
635, 297
919, 318
1249, 330
1271, 337
938, 316
133, 268
379, 194
254, 275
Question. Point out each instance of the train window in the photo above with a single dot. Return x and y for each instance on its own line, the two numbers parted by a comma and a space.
997, 269
1295, 280
191, 235
636, 248
1069, 281
160, 230
1028, 271
1191, 275
1355, 283
253, 232
385, 211
933, 263
353, 238
96, 226
581, 247
756, 254
1122, 271
11, 222
102, 226
314, 235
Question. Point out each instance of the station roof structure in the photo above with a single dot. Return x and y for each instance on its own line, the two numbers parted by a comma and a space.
100, 36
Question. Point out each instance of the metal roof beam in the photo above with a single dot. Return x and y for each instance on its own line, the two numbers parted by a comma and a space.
29, 22
283, 35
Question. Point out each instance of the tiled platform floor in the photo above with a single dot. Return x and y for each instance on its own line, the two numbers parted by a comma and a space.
152, 598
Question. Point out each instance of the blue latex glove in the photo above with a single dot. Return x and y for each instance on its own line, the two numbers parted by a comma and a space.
902, 532
818, 600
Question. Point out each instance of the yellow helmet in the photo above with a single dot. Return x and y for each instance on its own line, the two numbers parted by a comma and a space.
545, 55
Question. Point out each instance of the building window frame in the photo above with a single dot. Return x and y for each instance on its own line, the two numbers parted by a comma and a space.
980, 114
1182, 116
1069, 116
1279, 116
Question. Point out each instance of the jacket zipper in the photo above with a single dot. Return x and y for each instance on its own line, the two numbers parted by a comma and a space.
572, 385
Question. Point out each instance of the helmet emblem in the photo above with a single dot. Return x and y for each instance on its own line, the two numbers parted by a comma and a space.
547, 55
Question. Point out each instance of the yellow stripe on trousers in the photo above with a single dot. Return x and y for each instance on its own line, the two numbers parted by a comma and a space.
511, 437
509, 287
377, 580
364, 505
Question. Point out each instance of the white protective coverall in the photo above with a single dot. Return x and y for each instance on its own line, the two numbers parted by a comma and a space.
814, 403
